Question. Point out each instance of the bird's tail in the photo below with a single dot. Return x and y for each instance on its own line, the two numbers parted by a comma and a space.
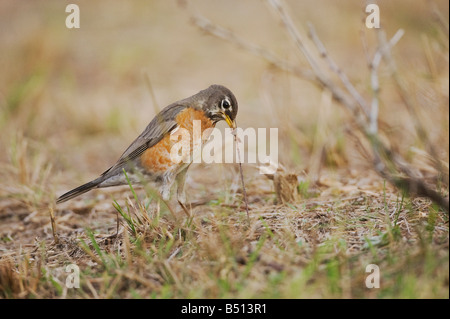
79, 190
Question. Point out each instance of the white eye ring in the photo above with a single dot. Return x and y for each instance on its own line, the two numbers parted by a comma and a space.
225, 104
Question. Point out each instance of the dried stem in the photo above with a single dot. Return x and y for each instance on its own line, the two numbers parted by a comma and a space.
224, 34
388, 164
383, 50
335, 68
410, 106
244, 191
152, 93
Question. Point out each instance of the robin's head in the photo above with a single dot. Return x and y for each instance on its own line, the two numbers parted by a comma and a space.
220, 104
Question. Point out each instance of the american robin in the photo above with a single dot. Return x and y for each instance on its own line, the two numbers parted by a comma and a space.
148, 157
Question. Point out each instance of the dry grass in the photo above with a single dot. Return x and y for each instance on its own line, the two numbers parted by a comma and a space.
69, 101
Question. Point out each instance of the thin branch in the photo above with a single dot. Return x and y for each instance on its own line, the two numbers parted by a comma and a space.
386, 168
295, 35
411, 108
389, 165
224, 34
439, 18
383, 50
152, 93
394, 166
337, 93
417, 187
335, 68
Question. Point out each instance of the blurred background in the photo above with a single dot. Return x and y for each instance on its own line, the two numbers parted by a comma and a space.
72, 100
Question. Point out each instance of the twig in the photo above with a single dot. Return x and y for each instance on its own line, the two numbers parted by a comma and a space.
382, 50
52, 220
152, 93
411, 108
388, 164
338, 94
411, 184
439, 18
242, 176
295, 35
224, 34
370, 129
417, 187
335, 68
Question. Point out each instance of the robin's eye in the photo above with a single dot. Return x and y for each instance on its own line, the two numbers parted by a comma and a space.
225, 104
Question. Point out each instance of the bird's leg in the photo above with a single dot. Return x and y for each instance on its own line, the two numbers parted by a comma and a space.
181, 195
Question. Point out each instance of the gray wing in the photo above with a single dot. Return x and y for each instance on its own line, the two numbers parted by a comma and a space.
160, 126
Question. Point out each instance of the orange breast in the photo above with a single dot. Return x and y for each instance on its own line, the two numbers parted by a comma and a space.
157, 158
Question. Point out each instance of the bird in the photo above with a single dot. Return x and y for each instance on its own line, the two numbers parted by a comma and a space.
148, 157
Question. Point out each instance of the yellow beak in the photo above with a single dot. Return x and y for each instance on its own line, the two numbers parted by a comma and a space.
230, 123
